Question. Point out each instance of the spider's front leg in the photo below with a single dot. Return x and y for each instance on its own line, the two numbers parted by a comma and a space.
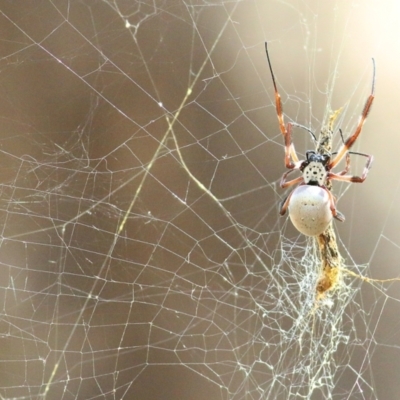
286, 131
350, 141
290, 152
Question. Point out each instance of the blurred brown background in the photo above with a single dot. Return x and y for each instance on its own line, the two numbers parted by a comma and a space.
170, 303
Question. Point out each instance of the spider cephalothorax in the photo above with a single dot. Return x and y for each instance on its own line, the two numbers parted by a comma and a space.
314, 168
312, 205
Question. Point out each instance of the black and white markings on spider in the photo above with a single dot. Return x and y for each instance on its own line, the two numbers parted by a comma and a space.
312, 205
314, 169
314, 172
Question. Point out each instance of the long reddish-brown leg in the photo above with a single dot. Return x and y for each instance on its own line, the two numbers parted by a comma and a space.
350, 178
350, 141
289, 148
286, 132
290, 152
336, 214
285, 204
284, 183
347, 166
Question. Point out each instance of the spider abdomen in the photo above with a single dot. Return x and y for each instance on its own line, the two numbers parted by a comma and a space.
309, 209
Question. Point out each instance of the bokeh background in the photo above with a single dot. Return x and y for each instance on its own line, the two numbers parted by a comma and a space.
132, 270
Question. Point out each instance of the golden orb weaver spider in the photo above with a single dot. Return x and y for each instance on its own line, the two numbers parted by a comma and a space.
311, 204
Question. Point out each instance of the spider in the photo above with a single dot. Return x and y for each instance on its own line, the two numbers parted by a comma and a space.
311, 204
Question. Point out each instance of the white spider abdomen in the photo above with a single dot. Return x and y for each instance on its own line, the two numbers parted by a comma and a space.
309, 209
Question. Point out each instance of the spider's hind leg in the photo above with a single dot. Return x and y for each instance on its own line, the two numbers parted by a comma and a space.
336, 214
284, 204
339, 216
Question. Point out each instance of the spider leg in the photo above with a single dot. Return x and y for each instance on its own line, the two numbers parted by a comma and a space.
347, 166
286, 132
285, 204
350, 141
336, 214
289, 149
284, 183
339, 216
350, 178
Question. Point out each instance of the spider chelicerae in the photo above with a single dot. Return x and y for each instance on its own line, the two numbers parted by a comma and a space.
311, 204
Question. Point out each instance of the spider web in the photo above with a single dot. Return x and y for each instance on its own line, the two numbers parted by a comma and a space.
142, 255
